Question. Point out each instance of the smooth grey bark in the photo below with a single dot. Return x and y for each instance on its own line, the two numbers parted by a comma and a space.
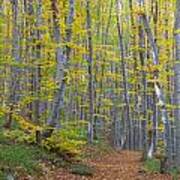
90, 72
97, 99
60, 58
29, 10
158, 90
135, 132
14, 94
37, 74
177, 83
134, 115
127, 135
62, 61
144, 83
15, 50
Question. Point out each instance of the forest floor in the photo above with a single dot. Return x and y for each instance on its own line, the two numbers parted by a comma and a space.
119, 165
100, 162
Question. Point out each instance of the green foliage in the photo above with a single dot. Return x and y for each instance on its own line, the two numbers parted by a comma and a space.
20, 136
81, 169
69, 140
152, 165
3, 139
18, 156
18, 159
2, 175
174, 172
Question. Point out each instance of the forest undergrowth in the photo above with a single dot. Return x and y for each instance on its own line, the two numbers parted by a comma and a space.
26, 161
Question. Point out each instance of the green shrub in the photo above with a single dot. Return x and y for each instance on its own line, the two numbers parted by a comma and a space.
174, 172
68, 140
2, 175
20, 136
3, 139
18, 156
62, 143
152, 165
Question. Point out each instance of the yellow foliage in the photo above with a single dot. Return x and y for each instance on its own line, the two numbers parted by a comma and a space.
64, 141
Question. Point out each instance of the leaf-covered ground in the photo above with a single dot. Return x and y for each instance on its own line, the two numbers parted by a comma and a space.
122, 165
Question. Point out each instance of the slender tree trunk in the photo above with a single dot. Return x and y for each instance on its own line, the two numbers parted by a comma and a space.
14, 89
134, 117
144, 83
37, 76
177, 83
90, 71
122, 56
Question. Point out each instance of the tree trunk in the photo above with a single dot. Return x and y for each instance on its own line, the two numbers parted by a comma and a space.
177, 83
62, 62
14, 89
128, 127
90, 72
144, 83
158, 89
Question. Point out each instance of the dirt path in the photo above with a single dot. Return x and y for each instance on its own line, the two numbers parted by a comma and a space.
122, 165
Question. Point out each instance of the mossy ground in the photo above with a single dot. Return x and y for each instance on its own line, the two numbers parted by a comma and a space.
22, 159
154, 166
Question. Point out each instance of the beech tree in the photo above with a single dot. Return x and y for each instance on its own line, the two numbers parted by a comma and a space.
102, 67
62, 61
177, 82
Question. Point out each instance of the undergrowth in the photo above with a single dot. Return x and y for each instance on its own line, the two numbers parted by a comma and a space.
154, 166
19, 152
20, 159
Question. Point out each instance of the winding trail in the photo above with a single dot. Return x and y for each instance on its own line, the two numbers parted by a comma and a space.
122, 165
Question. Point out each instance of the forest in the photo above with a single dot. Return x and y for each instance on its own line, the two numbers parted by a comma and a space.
89, 89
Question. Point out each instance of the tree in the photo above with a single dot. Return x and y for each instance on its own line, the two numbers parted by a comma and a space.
62, 61
90, 72
177, 83
128, 127
15, 87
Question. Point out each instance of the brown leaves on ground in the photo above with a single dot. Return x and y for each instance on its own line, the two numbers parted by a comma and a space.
122, 165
